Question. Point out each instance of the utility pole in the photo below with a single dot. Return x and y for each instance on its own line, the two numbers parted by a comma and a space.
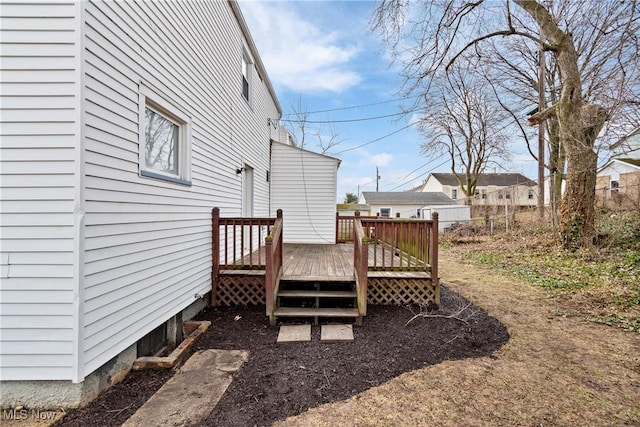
541, 130
377, 179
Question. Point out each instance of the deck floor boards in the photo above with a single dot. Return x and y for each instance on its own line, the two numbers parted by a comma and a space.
327, 260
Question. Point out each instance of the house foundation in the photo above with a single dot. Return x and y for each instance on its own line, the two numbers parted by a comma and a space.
54, 395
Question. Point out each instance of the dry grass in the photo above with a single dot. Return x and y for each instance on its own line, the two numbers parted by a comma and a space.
555, 370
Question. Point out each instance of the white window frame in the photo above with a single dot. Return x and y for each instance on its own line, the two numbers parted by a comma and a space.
246, 67
454, 193
149, 99
385, 216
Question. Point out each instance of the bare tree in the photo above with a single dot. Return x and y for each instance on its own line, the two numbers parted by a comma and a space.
606, 44
444, 31
462, 121
300, 125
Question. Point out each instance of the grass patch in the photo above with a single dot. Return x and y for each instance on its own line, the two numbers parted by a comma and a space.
602, 284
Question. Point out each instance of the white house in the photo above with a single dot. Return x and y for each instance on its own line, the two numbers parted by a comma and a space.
627, 147
124, 124
304, 185
493, 189
618, 181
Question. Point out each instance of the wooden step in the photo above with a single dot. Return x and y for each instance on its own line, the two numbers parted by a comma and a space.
316, 312
312, 293
287, 278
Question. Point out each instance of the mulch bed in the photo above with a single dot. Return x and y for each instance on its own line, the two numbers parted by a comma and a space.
279, 381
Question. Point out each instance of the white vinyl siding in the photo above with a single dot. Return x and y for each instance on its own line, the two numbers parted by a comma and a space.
40, 96
148, 242
303, 185
94, 256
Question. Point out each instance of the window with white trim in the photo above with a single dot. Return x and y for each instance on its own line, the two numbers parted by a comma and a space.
615, 186
246, 77
165, 146
454, 193
385, 212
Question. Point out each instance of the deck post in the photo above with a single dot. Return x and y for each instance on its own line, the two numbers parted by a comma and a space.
215, 253
337, 227
268, 279
364, 269
434, 255
273, 265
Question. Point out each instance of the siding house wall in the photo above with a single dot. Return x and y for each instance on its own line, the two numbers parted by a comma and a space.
101, 255
40, 169
304, 185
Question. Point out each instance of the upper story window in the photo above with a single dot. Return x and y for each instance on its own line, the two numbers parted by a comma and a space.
530, 195
484, 194
246, 76
165, 146
454, 193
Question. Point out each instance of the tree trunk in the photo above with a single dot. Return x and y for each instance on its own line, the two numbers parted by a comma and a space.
578, 210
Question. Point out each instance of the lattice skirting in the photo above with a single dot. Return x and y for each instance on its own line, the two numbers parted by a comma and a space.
402, 291
240, 290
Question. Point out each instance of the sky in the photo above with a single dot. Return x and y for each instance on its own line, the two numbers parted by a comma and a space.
323, 59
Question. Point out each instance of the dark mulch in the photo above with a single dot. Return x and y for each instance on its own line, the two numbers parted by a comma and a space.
279, 381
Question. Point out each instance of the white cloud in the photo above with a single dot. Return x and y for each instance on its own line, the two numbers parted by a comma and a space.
297, 53
382, 159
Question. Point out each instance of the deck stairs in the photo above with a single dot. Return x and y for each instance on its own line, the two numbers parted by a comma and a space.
326, 298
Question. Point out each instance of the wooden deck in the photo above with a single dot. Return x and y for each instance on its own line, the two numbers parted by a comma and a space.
317, 262
388, 261
331, 262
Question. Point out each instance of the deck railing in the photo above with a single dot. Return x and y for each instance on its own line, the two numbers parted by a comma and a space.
344, 228
403, 244
242, 244
360, 263
273, 274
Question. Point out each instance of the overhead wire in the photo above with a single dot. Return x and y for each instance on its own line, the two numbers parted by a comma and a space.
361, 119
354, 106
375, 140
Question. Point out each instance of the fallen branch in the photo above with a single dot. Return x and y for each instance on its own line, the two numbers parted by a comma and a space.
455, 316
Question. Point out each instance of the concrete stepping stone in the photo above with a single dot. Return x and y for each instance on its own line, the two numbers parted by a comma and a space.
336, 333
294, 333
192, 393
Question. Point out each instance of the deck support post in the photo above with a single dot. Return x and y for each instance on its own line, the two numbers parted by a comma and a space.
435, 280
360, 264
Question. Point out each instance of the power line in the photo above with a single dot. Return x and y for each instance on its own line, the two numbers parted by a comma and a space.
375, 140
361, 119
354, 106
421, 175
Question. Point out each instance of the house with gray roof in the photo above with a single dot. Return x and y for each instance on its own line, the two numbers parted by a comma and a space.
493, 189
411, 204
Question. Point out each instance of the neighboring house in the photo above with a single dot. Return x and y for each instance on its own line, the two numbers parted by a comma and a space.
493, 189
618, 184
124, 124
628, 147
409, 204
304, 185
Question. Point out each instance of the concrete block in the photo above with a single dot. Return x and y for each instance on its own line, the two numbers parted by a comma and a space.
294, 333
336, 333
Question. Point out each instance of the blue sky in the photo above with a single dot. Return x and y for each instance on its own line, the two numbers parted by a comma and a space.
322, 55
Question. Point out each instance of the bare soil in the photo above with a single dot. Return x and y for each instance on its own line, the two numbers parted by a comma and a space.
281, 381
556, 370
